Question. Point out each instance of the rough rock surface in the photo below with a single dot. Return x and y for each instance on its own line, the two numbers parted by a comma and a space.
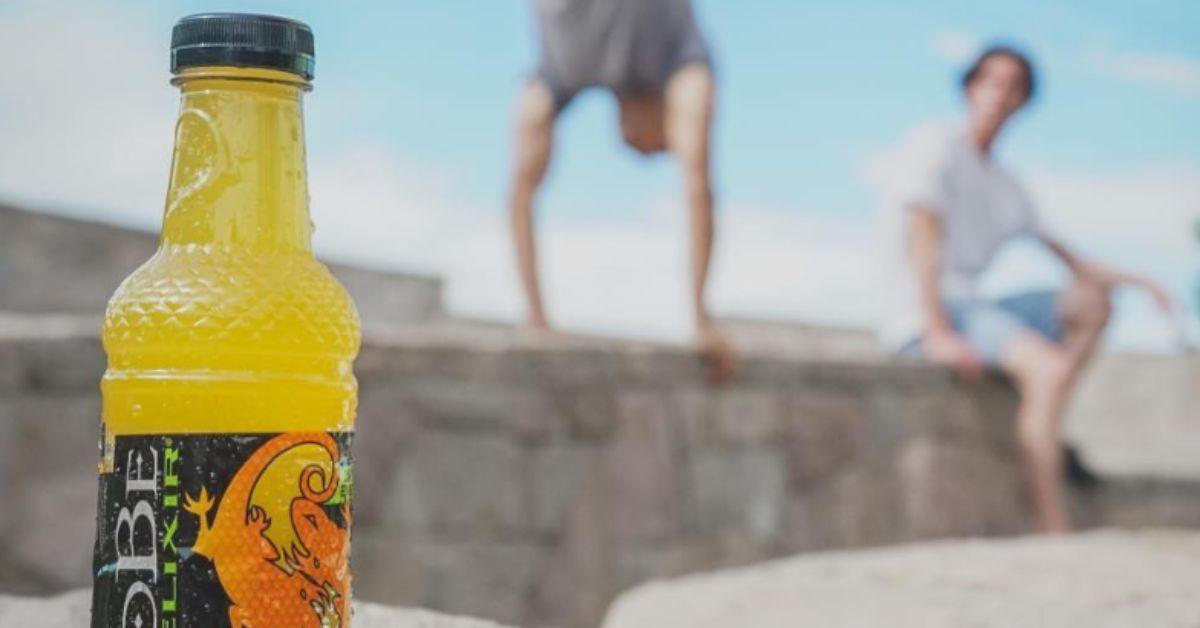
71, 611
1098, 579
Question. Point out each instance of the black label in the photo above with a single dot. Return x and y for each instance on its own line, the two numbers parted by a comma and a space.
224, 530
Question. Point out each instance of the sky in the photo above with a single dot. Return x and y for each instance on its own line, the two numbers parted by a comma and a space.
409, 143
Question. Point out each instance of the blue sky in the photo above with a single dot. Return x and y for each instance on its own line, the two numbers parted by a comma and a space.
809, 88
409, 135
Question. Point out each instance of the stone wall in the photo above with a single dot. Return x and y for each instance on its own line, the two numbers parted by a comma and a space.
1133, 414
54, 264
530, 482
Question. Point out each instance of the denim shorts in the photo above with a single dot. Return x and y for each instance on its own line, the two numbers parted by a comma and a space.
989, 326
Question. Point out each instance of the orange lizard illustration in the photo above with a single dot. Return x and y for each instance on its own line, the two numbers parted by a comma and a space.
280, 558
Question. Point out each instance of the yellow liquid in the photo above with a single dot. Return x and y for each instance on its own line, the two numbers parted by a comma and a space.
233, 326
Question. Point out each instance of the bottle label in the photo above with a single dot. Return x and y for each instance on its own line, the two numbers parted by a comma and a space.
224, 530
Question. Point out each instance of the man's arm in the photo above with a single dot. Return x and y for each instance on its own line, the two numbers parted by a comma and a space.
534, 140
941, 342
689, 104
1103, 276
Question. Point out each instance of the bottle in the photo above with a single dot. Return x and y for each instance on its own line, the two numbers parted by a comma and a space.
229, 398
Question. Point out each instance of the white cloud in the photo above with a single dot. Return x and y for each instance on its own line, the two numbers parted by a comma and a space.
1177, 74
955, 46
630, 276
372, 206
86, 112
627, 277
1150, 212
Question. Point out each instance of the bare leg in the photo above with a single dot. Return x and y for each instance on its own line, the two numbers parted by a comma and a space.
534, 139
1086, 309
1042, 373
689, 104
1046, 374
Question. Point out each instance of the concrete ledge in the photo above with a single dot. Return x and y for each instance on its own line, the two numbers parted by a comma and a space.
74, 609
1100, 579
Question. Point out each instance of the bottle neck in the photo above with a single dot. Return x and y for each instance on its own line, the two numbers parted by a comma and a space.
238, 175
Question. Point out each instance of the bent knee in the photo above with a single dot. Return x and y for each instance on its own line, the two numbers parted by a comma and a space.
1086, 304
1042, 369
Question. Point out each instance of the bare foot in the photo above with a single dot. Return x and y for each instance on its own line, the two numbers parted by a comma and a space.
539, 330
537, 322
720, 358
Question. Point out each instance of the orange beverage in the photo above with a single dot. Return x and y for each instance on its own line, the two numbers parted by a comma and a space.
229, 399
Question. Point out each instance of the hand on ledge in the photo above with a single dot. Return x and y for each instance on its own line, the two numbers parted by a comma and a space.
720, 358
950, 349
536, 321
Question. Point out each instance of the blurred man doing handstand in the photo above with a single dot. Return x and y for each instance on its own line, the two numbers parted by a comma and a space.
651, 55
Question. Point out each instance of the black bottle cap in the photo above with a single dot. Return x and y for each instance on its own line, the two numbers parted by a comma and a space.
243, 40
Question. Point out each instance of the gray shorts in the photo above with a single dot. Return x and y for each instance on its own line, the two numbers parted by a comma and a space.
631, 47
989, 326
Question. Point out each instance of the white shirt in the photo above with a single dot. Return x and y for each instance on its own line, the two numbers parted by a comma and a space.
980, 205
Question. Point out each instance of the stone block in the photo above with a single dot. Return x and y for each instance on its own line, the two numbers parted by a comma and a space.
11, 452
54, 528
388, 568
859, 507
461, 483
12, 368
748, 416
1137, 502
644, 463
558, 477
697, 410
739, 490
57, 434
659, 366
456, 404
73, 363
490, 580
589, 414
825, 431
953, 490
982, 414
578, 367
385, 433
48, 457
577, 579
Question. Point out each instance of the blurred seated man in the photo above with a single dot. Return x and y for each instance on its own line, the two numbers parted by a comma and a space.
651, 55
957, 207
